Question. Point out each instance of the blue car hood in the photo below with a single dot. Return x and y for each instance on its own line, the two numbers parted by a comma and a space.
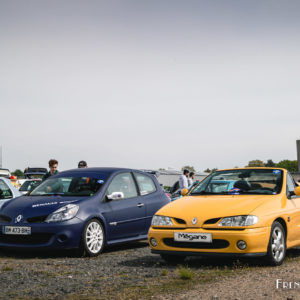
31, 206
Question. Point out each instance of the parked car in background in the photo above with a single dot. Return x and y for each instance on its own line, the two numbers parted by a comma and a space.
7, 191
86, 208
5, 173
29, 184
31, 173
239, 212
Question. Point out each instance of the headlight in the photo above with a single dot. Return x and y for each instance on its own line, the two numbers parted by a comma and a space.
161, 221
239, 221
64, 213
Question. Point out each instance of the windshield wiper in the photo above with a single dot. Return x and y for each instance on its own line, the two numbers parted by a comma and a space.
209, 193
52, 194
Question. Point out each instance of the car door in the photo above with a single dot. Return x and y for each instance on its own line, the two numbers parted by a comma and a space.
125, 215
294, 233
151, 196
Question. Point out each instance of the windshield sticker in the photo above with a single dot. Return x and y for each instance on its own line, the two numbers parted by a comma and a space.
100, 181
276, 171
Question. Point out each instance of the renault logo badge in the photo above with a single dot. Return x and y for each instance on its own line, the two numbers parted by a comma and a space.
194, 221
18, 219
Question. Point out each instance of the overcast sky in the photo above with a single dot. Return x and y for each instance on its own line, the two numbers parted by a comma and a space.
149, 84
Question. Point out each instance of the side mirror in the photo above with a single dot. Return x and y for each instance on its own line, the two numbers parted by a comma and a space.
115, 196
297, 191
184, 192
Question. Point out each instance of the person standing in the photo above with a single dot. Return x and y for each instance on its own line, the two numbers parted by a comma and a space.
191, 179
183, 180
82, 164
53, 163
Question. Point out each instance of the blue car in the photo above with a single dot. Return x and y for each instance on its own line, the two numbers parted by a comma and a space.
83, 208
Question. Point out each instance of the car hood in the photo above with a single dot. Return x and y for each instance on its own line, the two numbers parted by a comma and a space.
210, 207
30, 206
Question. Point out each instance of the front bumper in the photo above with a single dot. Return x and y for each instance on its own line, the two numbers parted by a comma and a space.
224, 242
56, 235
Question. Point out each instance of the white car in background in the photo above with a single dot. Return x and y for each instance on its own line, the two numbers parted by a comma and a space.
7, 191
5, 173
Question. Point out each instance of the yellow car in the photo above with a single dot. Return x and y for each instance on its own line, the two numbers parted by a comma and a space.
237, 212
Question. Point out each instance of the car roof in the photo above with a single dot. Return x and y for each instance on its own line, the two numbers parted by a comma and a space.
97, 170
253, 168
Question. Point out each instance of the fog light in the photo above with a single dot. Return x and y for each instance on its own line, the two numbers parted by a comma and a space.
241, 245
62, 238
153, 242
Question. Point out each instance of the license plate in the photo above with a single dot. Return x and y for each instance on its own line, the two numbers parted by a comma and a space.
21, 230
192, 237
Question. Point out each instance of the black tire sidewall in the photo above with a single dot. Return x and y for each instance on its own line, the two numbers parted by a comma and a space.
87, 252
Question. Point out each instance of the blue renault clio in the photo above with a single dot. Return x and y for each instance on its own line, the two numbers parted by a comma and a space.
83, 208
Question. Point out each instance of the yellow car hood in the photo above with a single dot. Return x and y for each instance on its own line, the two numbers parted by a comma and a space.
209, 207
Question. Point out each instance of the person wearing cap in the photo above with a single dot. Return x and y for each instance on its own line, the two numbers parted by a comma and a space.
82, 164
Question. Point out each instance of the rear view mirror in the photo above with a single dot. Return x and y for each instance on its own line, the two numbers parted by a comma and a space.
115, 196
184, 192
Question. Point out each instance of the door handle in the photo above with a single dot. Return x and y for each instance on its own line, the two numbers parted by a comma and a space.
140, 205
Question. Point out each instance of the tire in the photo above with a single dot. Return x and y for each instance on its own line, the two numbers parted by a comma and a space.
277, 245
93, 238
173, 258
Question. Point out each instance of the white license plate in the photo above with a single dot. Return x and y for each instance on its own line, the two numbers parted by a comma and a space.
21, 230
193, 237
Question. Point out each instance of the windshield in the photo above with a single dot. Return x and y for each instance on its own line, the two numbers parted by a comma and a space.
29, 185
241, 181
69, 186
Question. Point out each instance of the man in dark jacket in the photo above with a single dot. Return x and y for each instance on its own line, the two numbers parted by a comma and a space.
53, 163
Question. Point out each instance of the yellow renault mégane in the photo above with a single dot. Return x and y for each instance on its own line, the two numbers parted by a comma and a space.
240, 212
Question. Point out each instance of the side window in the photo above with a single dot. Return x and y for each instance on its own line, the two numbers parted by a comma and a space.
145, 183
290, 186
6, 192
123, 183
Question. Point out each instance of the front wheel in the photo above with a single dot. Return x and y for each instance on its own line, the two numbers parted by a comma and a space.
93, 238
277, 245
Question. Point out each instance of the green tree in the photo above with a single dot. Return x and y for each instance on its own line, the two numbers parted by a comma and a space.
256, 163
190, 168
290, 165
18, 173
208, 170
270, 163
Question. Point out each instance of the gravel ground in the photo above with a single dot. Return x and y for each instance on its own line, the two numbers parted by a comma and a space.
121, 271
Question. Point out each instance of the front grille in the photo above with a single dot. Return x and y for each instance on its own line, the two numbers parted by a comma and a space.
212, 221
5, 219
35, 238
38, 219
216, 244
179, 221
